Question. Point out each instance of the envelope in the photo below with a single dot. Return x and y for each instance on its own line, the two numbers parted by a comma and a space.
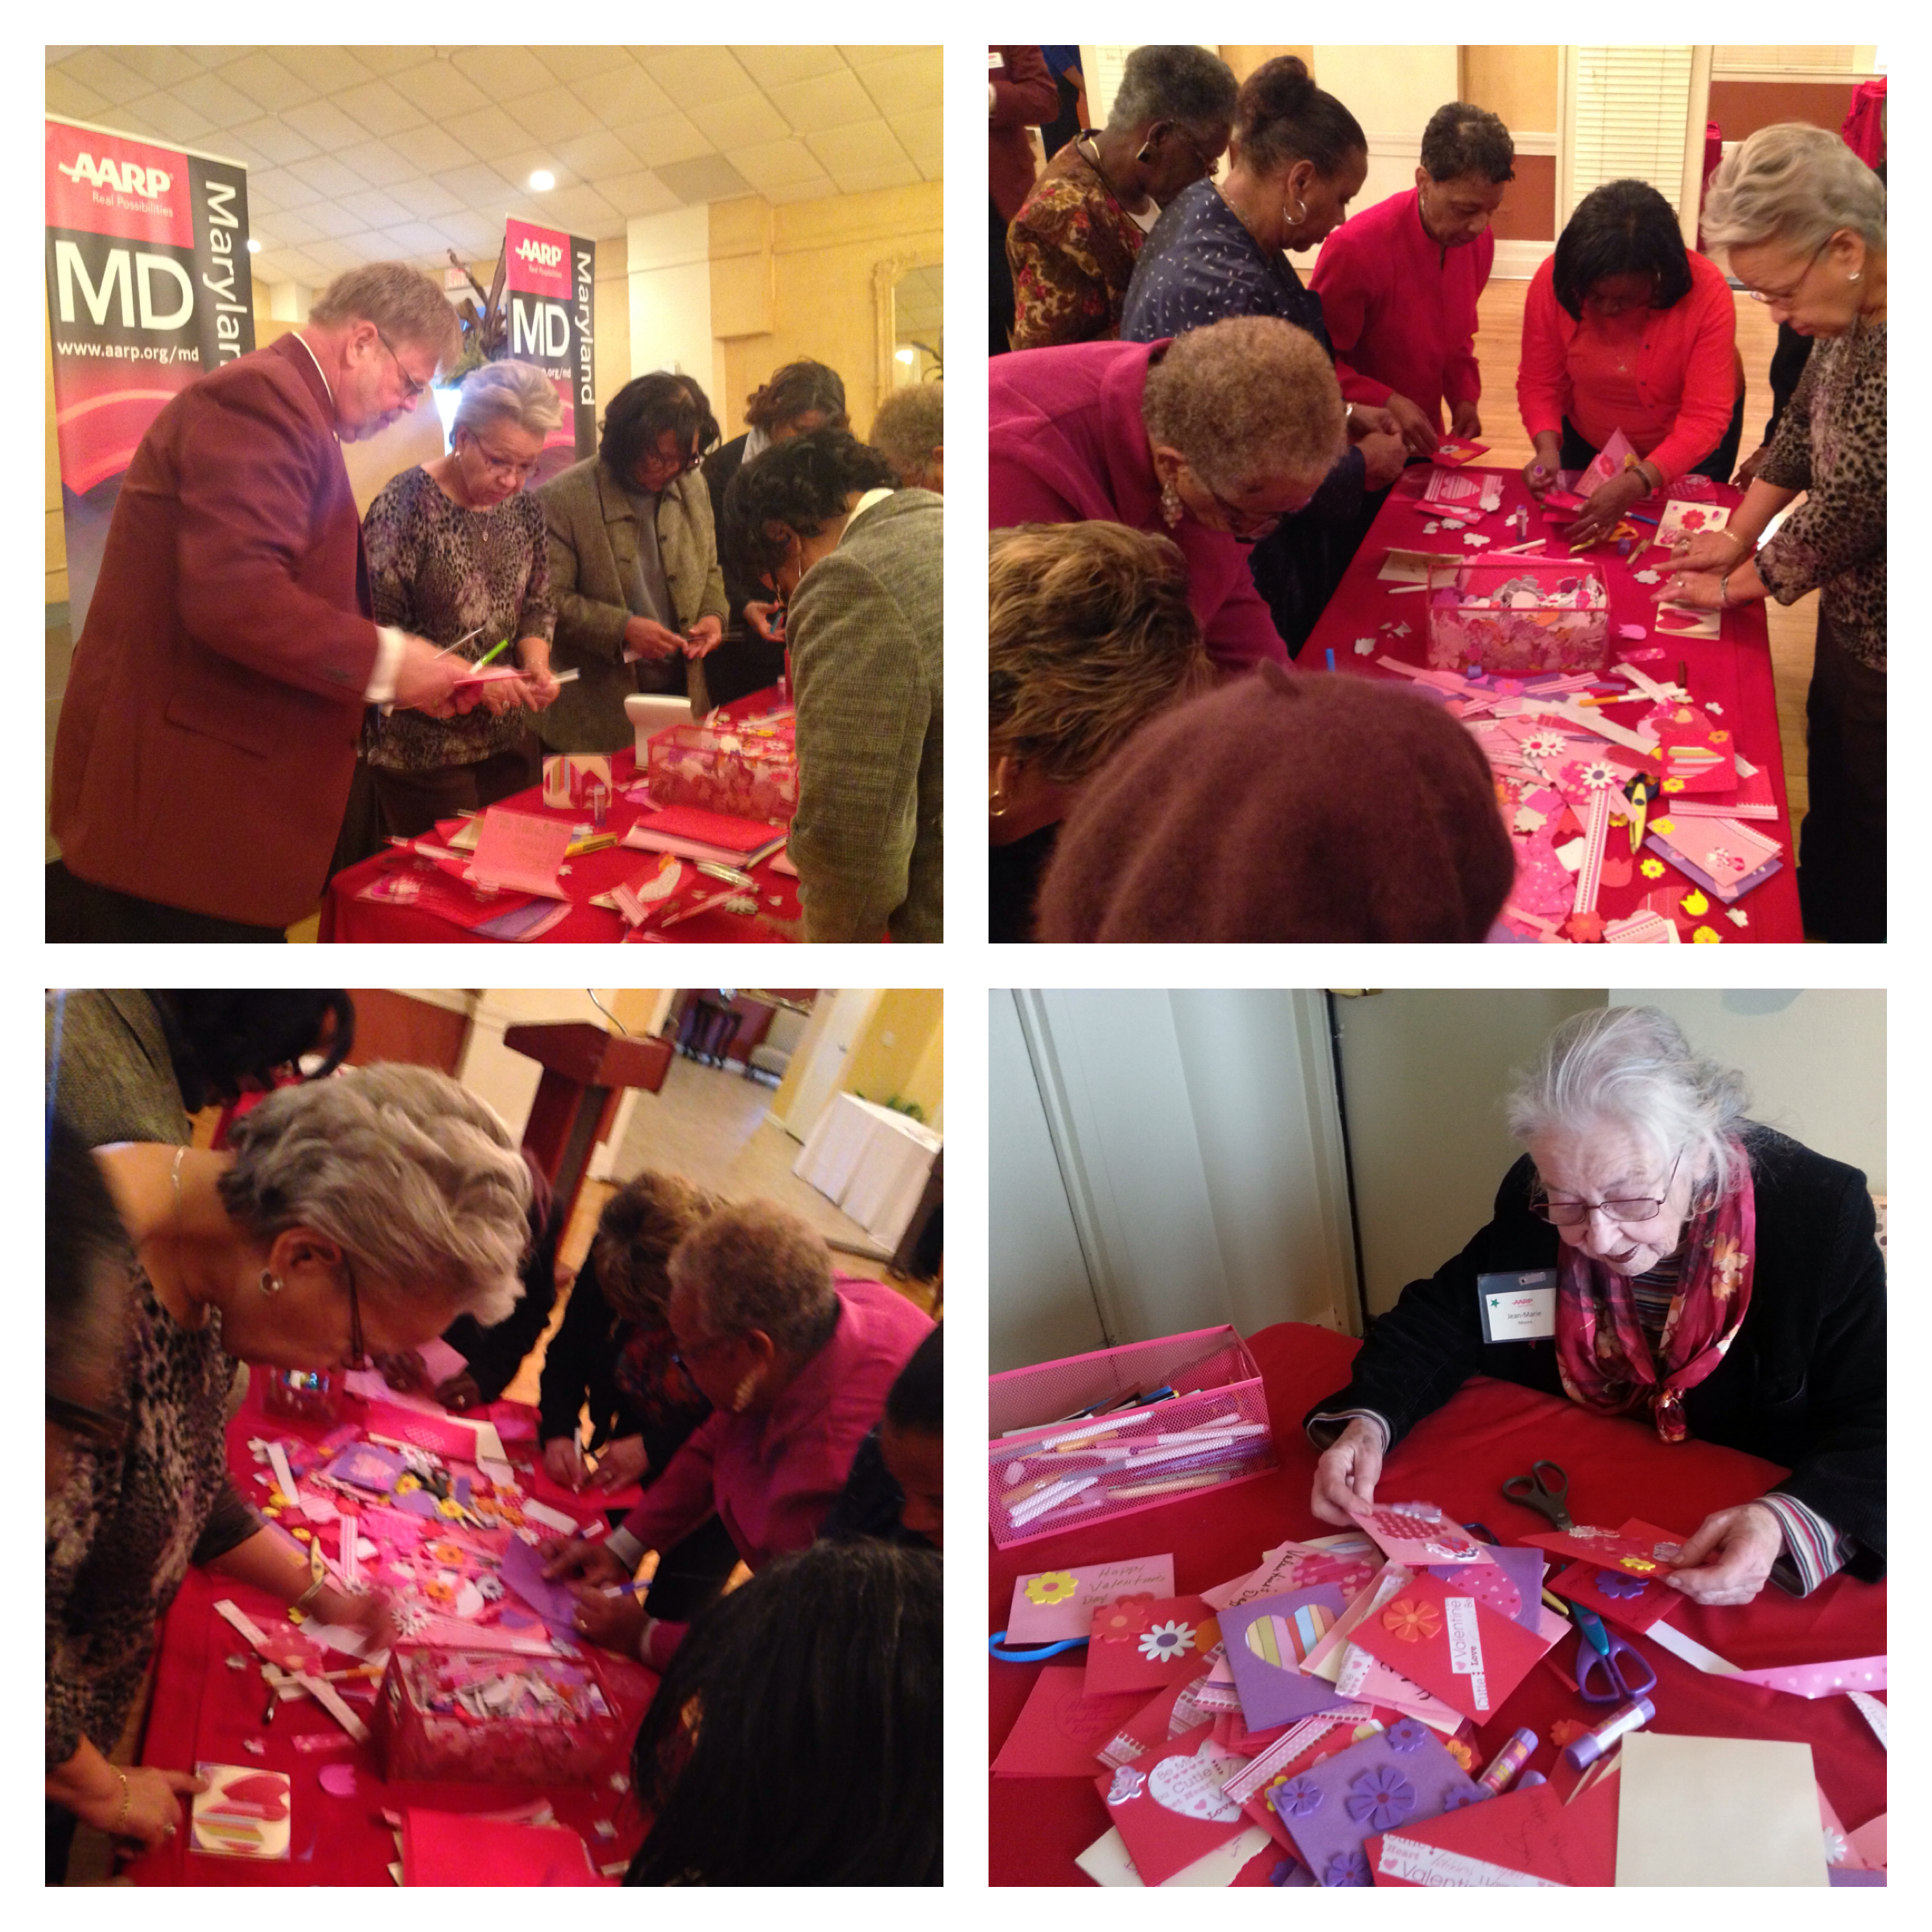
1169, 1806
1523, 1838
1060, 1730
1452, 1645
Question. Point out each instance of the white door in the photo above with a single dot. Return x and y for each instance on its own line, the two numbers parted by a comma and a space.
836, 1018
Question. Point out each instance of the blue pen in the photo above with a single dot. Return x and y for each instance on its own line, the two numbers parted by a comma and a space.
1331, 657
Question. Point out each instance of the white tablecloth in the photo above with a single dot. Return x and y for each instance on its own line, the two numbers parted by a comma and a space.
871, 1162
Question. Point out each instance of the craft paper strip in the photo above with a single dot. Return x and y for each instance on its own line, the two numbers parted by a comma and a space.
1057, 1603
1419, 1533
1523, 1838
243, 1813
1875, 1713
1338, 1727
1171, 1711
1589, 877
1060, 1730
1456, 1649
1717, 1811
1267, 1640
1169, 1806
550, 1518
1146, 1642
1860, 1675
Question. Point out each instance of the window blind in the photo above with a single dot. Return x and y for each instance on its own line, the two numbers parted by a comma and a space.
1632, 105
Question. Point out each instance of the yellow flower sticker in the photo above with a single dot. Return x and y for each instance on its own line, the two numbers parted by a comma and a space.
1054, 1587
1674, 784
1704, 936
1664, 825
1652, 868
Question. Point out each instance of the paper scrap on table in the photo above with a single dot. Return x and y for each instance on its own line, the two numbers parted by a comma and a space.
523, 1570
1718, 1811
550, 1519
520, 852
1105, 1861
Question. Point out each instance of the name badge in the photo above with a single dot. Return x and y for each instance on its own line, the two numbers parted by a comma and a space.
1518, 1308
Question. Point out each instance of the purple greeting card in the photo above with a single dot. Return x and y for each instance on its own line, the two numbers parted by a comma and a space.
1266, 1642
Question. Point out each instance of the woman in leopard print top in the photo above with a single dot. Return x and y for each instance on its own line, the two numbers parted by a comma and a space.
1803, 221
456, 548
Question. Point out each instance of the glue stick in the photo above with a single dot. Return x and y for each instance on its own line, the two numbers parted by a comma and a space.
1530, 1780
1507, 1762
1592, 1745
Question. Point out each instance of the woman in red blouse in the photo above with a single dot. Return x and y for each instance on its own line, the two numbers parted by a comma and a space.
1625, 328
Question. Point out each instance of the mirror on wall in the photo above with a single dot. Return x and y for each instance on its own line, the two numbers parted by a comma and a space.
911, 320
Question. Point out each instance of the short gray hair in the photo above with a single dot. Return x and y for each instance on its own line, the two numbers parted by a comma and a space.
1187, 84
1795, 186
758, 1266
1630, 1068
518, 393
911, 425
401, 301
416, 1180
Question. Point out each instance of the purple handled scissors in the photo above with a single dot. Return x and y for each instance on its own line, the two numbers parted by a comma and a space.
1601, 1657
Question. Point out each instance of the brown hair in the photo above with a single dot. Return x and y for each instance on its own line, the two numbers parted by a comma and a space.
399, 300
1280, 117
642, 1223
797, 389
1091, 634
757, 1267
1247, 398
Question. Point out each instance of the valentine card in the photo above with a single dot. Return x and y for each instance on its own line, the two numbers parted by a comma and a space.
1419, 1533
1058, 1604
1638, 1548
1349, 1564
1060, 1730
1687, 620
1457, 1649
1305, 1744
1144, 1642
545, 1487
1446, 488
1612, 459
1399, 1776
1266, 1642
1169, 1805
1631, 1602
243, 1813
366, 1466
1523, 1838
1724, 855
1696, 751
1509, 1583
1169, 1712
1681, 519
1455, 453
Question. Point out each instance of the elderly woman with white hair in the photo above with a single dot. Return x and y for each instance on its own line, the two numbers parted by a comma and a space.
1714, 1278
458, 554
1803, 221
360, 1213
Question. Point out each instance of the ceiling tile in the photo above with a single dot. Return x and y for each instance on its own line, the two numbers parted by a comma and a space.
276, 139
270, 188
863, 180
291, 265
642, 193
815, 191
668, 138
691, 75
166, 116
430, 149
574, 62
419, 241
476, 236
581, 211
393, 60
425, 200
325, 123
293, 230
591, 156
484, 132
368, 245
328, 218
919, 136
554, 114
832, 101
906, 80
327, 177
214, 57
841, 151
710, 178
737, 122
332, 257
376, 106
209, 94
479, 188
618, 95
159, 66
95, 67
439, 90
520, 163
504, 73
378, 163
776, 163
871, 56
375, 209
329, 70
266, 82
66, 96
778, 66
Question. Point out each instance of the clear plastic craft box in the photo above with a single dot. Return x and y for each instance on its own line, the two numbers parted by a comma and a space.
1518, 615
1052, 1465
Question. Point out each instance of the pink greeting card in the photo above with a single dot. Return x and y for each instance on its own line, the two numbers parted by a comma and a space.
1522, 1838
1724, 855
1696, 750
1639, 1549
1681, 519
1611, 460
1060, 1730
1057, 1603
1349, 1566
1456, 1648
1419, 1533
1169, 1805
520, 852
1509, 1583
1147, 1642
1455, 453
1267, 1640
1687, 620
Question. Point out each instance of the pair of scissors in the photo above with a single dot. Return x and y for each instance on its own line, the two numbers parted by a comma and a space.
1536, 1491
1601, 1653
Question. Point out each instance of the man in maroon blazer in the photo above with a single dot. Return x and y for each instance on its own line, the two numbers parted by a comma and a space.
207, 734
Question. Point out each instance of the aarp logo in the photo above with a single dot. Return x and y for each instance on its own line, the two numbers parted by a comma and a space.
129, 177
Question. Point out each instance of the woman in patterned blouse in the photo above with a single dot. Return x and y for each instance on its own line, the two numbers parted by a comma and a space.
457, 554
1803, 221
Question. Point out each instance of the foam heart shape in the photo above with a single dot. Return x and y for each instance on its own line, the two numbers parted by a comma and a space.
1190, 1787
259, 1790
1283, 1641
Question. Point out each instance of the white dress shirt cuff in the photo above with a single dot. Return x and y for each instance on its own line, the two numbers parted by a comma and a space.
389, 644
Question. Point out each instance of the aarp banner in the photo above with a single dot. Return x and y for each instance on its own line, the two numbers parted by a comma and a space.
549, 279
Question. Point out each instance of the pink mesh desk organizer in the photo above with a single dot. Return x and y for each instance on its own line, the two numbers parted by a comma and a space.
749, 770
1050, 1467
1517, 615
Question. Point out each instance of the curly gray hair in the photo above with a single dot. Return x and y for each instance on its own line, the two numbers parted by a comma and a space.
755, 1266
1630, 1068
517, 392
416, 1180
1795, 186
1187, 84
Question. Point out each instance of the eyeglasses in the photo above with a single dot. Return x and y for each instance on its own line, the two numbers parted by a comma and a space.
1616, 305
1784, 295
1252, 526
1574, 1214
685, 464
1193, 147
358, 1355
502, 466
411, 388
108, 1431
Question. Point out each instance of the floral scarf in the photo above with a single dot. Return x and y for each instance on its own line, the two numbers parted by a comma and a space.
1605, 1360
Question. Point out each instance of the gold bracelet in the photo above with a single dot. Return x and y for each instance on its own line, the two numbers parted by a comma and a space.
309, 1595
127, 1798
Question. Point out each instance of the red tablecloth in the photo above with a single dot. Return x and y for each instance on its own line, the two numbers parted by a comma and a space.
347, 916
1460, 1457
202, 1712
1734, 669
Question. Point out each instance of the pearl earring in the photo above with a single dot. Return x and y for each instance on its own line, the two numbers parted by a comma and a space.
1171, 507
1855, 274
271, 1282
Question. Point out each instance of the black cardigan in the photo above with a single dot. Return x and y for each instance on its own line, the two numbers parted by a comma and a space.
1803, 1385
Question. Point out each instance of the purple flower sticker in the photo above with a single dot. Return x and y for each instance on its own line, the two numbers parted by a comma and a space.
1406, 1735
1282, 1872
1473, 1794
1299, 1798
1614, 1583
1347, 1868
1383, 1798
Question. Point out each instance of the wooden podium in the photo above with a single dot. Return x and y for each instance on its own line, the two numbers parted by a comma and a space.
585, 1071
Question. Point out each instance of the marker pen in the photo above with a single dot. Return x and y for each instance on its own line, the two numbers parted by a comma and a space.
1593, 1744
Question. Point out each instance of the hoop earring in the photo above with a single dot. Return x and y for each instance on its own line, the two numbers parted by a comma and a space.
271, 1282
1299, 216
996, 806
1172, 509
741, 1396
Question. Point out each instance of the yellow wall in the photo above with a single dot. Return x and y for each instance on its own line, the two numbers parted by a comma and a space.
797, 281
898, 1053
1519, 83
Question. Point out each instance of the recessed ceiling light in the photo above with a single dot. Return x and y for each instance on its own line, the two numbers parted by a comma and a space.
541, 179
254, 247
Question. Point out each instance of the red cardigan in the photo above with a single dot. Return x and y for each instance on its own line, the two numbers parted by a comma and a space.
1400, 308
1067, 445
1674, 400
1024, 96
